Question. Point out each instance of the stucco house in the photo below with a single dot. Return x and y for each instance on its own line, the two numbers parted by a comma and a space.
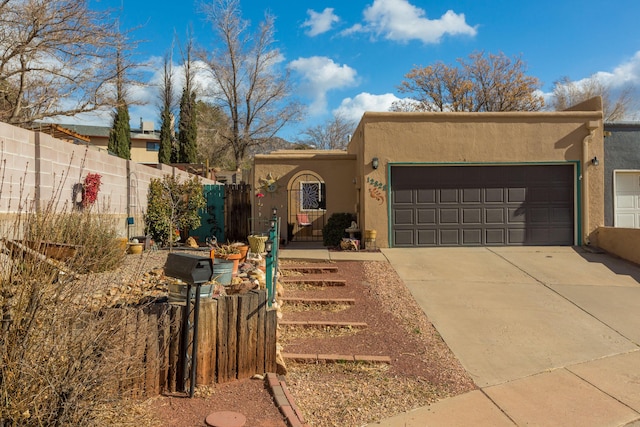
622, 174
448, 179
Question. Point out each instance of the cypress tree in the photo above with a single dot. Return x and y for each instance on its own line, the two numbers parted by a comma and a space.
187, 128
120, 134
166, 138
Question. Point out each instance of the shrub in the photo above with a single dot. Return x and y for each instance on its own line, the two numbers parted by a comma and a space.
333, 230
173, 205
60, 364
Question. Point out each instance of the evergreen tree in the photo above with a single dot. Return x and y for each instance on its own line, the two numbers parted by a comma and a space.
188, 124
166, 154
120, 133
187, 128
166, 137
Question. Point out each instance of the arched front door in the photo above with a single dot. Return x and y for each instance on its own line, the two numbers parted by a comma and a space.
307, 203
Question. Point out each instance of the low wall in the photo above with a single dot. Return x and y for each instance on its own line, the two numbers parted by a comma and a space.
622, 242
39, 171
236, 340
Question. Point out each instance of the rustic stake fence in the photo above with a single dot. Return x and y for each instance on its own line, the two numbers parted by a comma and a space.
236, 340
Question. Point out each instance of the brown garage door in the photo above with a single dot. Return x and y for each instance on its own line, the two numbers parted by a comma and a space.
482, 205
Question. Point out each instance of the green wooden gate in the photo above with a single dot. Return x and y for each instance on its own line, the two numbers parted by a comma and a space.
212, 216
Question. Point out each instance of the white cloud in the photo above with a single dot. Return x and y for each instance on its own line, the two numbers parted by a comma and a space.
399, 20
320, 75
354, 108
319, 23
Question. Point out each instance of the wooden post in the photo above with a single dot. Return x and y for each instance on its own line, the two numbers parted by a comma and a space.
152, 378
261, 330
205, 374
270, 340
164, 338
221, 340
174, 347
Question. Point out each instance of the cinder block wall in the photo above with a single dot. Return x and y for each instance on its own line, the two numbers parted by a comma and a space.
37, 171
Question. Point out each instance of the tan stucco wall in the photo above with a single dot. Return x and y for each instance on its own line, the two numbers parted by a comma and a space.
622, 242
336, 168
477, 138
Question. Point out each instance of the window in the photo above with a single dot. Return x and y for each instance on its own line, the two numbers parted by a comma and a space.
153, 146
314, 196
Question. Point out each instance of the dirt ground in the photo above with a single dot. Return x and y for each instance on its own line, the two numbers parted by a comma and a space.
422, 369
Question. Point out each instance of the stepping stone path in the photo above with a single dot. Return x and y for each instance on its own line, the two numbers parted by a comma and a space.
304, 285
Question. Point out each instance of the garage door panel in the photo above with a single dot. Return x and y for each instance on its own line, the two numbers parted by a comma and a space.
403, 197
472, 236
472, 216
516, 236
404, 238
539, 215
403, 217
494, 215
449, 216
537, 195
516, 215
561, 216
495, 236
471, 195
426, 196
516, 195
450, 237
494, 195
427, 238
448, 195
485, 205
426, 216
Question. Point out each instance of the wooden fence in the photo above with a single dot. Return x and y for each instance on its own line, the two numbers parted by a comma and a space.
237, 211
236, 340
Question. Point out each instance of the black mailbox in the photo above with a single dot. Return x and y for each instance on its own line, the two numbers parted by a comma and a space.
189, 268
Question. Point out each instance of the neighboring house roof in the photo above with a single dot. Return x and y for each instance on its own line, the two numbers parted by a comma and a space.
60, 132
103, 131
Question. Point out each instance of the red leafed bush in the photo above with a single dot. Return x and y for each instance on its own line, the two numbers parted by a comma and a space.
90, 189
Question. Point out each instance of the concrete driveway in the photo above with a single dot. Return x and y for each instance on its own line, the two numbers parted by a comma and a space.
549, 334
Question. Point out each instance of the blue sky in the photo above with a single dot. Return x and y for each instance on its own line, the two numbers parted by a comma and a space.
350, 56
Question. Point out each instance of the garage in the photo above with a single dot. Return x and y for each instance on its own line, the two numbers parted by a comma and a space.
480, 205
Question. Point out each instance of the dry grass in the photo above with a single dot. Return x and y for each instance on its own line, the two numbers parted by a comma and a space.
347, 394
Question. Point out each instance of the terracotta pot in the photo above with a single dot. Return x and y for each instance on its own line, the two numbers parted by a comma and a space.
244, 249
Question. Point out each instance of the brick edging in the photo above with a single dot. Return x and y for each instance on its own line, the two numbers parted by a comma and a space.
284, 401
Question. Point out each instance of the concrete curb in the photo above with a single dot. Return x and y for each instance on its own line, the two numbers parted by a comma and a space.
284, 401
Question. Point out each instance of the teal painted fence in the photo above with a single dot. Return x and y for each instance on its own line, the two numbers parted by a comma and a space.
212, 216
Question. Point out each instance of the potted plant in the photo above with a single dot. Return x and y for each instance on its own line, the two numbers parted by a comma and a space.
229, 252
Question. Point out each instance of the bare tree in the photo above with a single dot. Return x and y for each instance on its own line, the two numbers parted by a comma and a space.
483, 83
212, 147
248, 84
55, 57
567, 93
333, 134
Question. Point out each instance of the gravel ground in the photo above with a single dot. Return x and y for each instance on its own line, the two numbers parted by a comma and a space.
423, 369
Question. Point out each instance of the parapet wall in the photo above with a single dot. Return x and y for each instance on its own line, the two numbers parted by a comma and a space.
621, 242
